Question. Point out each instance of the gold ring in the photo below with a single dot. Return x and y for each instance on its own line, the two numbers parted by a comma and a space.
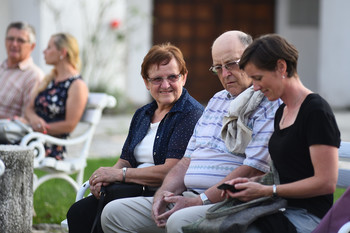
95, 176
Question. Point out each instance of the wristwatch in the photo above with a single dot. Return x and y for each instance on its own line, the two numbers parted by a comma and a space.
274, 190
205, 199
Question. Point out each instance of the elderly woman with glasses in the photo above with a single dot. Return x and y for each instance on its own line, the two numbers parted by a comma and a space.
157, 139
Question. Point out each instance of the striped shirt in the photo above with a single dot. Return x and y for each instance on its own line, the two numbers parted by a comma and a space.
16, 85
210, 159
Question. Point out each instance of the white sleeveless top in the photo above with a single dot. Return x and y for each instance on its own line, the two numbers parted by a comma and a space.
144, 150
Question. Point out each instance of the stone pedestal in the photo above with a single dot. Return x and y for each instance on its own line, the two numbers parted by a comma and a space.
16, 189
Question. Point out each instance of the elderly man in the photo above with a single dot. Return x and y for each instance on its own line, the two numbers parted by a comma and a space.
18, 73
190, 188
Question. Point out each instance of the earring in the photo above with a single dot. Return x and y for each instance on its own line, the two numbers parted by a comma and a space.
61, 57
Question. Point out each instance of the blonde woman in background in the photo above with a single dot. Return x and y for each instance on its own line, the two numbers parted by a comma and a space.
59, 101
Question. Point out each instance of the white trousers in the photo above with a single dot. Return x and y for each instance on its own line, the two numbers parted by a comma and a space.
134, 215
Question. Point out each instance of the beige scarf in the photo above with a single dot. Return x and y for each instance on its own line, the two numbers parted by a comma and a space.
235, 131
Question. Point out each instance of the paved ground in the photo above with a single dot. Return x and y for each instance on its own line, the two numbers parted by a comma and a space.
110, 136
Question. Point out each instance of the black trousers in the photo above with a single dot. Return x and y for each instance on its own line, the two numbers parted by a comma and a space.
81, 215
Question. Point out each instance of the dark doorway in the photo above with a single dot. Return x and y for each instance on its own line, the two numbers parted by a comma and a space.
192, 25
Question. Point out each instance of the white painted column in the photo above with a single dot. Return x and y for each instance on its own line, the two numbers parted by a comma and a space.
139, 42
334, 62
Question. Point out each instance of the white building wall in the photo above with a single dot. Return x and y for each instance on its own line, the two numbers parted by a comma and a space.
19, 10
138, 44
323, 50
121, 71
4, 19
334, 57
305, 39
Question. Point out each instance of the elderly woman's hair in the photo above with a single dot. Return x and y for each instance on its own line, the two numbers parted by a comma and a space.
265, 51
23, 26
161, 55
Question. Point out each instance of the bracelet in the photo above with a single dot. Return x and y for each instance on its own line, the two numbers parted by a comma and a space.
274, 190
124, 173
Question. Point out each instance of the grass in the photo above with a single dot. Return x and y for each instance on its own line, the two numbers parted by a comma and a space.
338, 192
53, 198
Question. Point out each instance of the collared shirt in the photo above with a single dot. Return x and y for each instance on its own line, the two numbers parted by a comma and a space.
210, 159
174, 130
16, 85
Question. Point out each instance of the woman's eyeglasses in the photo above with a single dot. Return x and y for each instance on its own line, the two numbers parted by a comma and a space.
159, 80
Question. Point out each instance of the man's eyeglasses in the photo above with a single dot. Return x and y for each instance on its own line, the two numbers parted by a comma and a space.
159, 80
228, 66
18, 40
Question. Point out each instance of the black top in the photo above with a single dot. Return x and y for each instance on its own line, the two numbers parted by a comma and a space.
289, 148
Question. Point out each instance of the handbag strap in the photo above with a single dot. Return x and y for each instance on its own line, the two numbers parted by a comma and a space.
23, 126
99, 208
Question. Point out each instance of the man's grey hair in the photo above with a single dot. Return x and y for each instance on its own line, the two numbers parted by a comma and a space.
23, 26
245, 39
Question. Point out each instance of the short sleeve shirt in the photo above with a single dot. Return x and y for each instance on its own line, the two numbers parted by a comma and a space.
16, 87
174, 130
289, 148
210, 159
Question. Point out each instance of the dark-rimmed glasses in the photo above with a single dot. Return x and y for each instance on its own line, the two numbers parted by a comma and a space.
18, 40
228, 66
159, 80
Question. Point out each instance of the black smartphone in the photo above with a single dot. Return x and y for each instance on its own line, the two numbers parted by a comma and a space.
228, 187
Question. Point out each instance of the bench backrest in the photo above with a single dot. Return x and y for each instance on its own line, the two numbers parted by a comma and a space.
344, 169
96, 103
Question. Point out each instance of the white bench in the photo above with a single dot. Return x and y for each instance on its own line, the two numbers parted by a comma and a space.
2, 167
72, 164
344, 167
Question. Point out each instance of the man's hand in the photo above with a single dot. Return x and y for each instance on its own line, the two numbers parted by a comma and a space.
159, 207
159, 213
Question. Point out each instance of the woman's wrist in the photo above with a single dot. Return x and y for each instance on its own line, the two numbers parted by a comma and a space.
124, 169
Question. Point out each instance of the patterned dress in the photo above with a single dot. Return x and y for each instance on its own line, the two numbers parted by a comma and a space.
50, 104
